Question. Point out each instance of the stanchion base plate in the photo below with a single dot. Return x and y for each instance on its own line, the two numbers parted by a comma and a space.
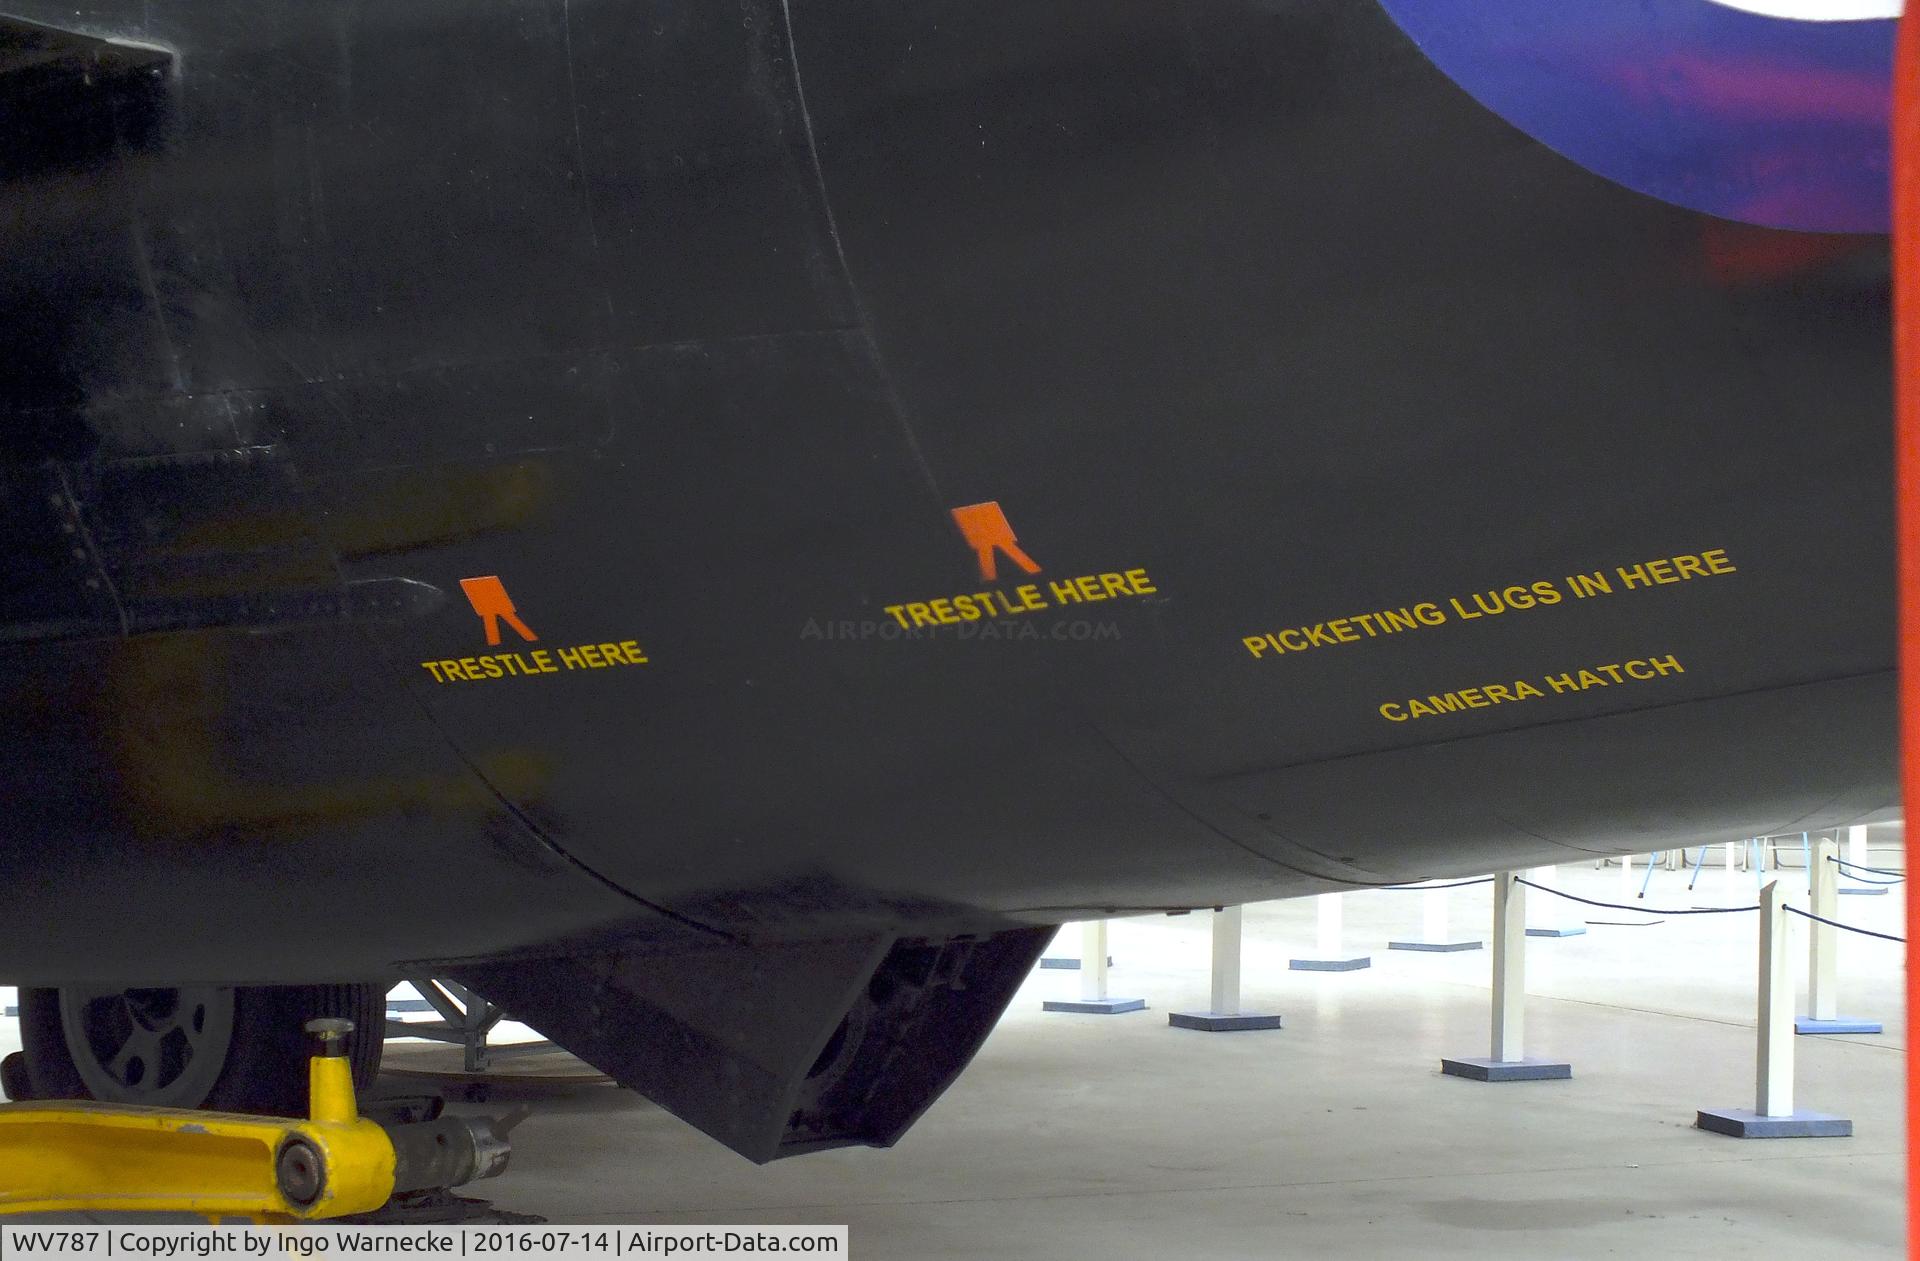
1095, 1006
1477, 1069
1067, 965
1213, 1022
1330, 965
1435, 947
1741, 1123
1556, 932
1840, 1025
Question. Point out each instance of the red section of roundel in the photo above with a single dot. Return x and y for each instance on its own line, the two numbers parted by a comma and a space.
1906, 367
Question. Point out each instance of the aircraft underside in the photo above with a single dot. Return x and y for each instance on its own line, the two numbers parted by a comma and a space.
719, 526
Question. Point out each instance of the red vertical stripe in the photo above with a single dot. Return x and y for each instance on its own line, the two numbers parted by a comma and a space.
1906, 466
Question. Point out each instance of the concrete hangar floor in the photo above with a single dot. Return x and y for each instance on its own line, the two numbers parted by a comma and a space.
1335, 1136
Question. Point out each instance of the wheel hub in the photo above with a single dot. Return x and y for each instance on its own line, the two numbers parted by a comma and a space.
158, 1047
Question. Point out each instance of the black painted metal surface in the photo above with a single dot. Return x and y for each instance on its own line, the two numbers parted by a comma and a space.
691, 325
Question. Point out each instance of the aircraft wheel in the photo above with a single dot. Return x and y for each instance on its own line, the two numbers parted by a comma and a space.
226, 1049
13, 1077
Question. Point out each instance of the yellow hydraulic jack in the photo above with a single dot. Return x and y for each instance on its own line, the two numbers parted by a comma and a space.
88, 1157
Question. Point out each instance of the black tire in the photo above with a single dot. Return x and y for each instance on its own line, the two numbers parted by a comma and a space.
13, 1078
264, 1070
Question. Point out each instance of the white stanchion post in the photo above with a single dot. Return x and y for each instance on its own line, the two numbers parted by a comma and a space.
1858, 880
1509, 968
1327, 919
1433, 927
1224, 1015
1823, 963
1626, 878
1093, 961
1773, 1114
1774, 1063
1329, 915
1433, 914
1509, 1061
1733, 854
1227, 923
1823, 946
1547, 921
1094, 999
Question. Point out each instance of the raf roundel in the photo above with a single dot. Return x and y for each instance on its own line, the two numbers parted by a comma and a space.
1769, 112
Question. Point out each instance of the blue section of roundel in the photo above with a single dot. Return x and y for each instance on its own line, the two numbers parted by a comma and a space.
1772, 121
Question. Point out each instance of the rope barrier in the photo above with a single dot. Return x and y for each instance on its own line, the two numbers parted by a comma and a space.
1652, 910
1878, 884
1643, 910
1422, 888
1878, 871
1821, 919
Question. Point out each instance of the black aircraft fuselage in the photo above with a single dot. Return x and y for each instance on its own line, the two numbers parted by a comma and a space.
643, 498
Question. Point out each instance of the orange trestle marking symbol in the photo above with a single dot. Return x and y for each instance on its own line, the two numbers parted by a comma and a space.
489, 599
986, 529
